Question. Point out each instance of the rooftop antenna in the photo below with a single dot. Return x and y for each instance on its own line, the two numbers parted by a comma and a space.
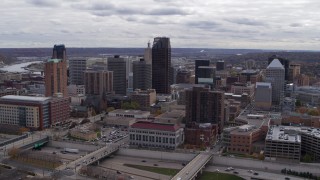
149, 44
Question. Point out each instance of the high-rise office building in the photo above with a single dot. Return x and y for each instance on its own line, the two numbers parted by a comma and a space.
220, 65
205, 106
196, 68
263, 96
275, 74
207, 75
98, 82
118, 66
77, 67
56, 72
142, 76
161, 64
285, 63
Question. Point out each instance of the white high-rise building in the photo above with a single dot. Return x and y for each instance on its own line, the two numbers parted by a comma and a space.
275, 74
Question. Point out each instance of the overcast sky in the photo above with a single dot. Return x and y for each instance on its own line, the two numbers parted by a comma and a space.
253, 24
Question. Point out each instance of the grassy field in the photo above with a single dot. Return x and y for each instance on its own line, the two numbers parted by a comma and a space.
171, 172
159, 170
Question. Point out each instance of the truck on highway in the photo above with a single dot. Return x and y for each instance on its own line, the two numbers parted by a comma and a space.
69, 150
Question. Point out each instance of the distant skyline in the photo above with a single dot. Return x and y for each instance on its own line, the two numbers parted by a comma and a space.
233, 24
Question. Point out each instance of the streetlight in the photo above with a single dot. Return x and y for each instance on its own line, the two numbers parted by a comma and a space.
217, 173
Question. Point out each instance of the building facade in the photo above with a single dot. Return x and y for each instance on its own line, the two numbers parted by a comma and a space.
156, 135
144, 98
142, 75
205, 106
119, 67
77, 67
161, 64
263, 96
275, 74
198, 63
98, 82
59, 110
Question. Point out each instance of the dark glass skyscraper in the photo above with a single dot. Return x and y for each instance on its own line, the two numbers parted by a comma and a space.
161, 63
142, 75
196, 69
59, 52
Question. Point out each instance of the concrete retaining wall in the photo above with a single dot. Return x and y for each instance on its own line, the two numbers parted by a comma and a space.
81, 147
156, 154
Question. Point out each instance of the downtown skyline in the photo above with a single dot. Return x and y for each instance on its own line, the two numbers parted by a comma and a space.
285, 25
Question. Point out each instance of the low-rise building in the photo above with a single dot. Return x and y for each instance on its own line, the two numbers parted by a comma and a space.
119, 121
129, 113
201, 135
144, 98
282, 144
156, 135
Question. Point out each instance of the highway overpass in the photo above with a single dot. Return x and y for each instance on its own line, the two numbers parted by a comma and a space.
26, 143
195, 166
94, 156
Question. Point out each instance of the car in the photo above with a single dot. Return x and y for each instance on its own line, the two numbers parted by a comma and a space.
183, 164
235, 172
250, 171
118, 172
287, 178
54, 152
155, 164
143, 161
131, 177
231, 168
256, 173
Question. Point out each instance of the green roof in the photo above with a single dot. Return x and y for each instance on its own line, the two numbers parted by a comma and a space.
54, 60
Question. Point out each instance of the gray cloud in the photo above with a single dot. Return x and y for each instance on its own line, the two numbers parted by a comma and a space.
246, 21
296, 25
44, 3
203, 24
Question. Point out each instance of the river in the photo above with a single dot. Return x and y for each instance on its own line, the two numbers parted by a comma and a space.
18, 67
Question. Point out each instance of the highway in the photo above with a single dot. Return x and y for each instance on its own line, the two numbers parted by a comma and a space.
94, 156
193, 167
23, 142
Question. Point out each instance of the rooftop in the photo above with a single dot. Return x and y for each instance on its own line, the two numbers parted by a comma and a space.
284, 134
24, 98
275, 64
129, 112
266, 84
155, 126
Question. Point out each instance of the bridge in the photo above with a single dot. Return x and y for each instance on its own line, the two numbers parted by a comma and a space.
94, 156
191, 170
25, 143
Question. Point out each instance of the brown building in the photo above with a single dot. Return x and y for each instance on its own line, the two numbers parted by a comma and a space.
56, 72
98, 82
293, 118
59, 109
205, 106
144, 98
251, 76
242, 139
183, 76
294, 71
200, 135
241, 88
302, 80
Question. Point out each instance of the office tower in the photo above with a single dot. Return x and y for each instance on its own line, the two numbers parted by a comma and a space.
263, 96
59, 52
250, 75
77, 67
148, 54
275, 74
285, 63
118, 66
98, 82
161, 64
205, 106
294, 71
207, 75
142, 76
183, 76
196, 69
56, 72
220, 65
